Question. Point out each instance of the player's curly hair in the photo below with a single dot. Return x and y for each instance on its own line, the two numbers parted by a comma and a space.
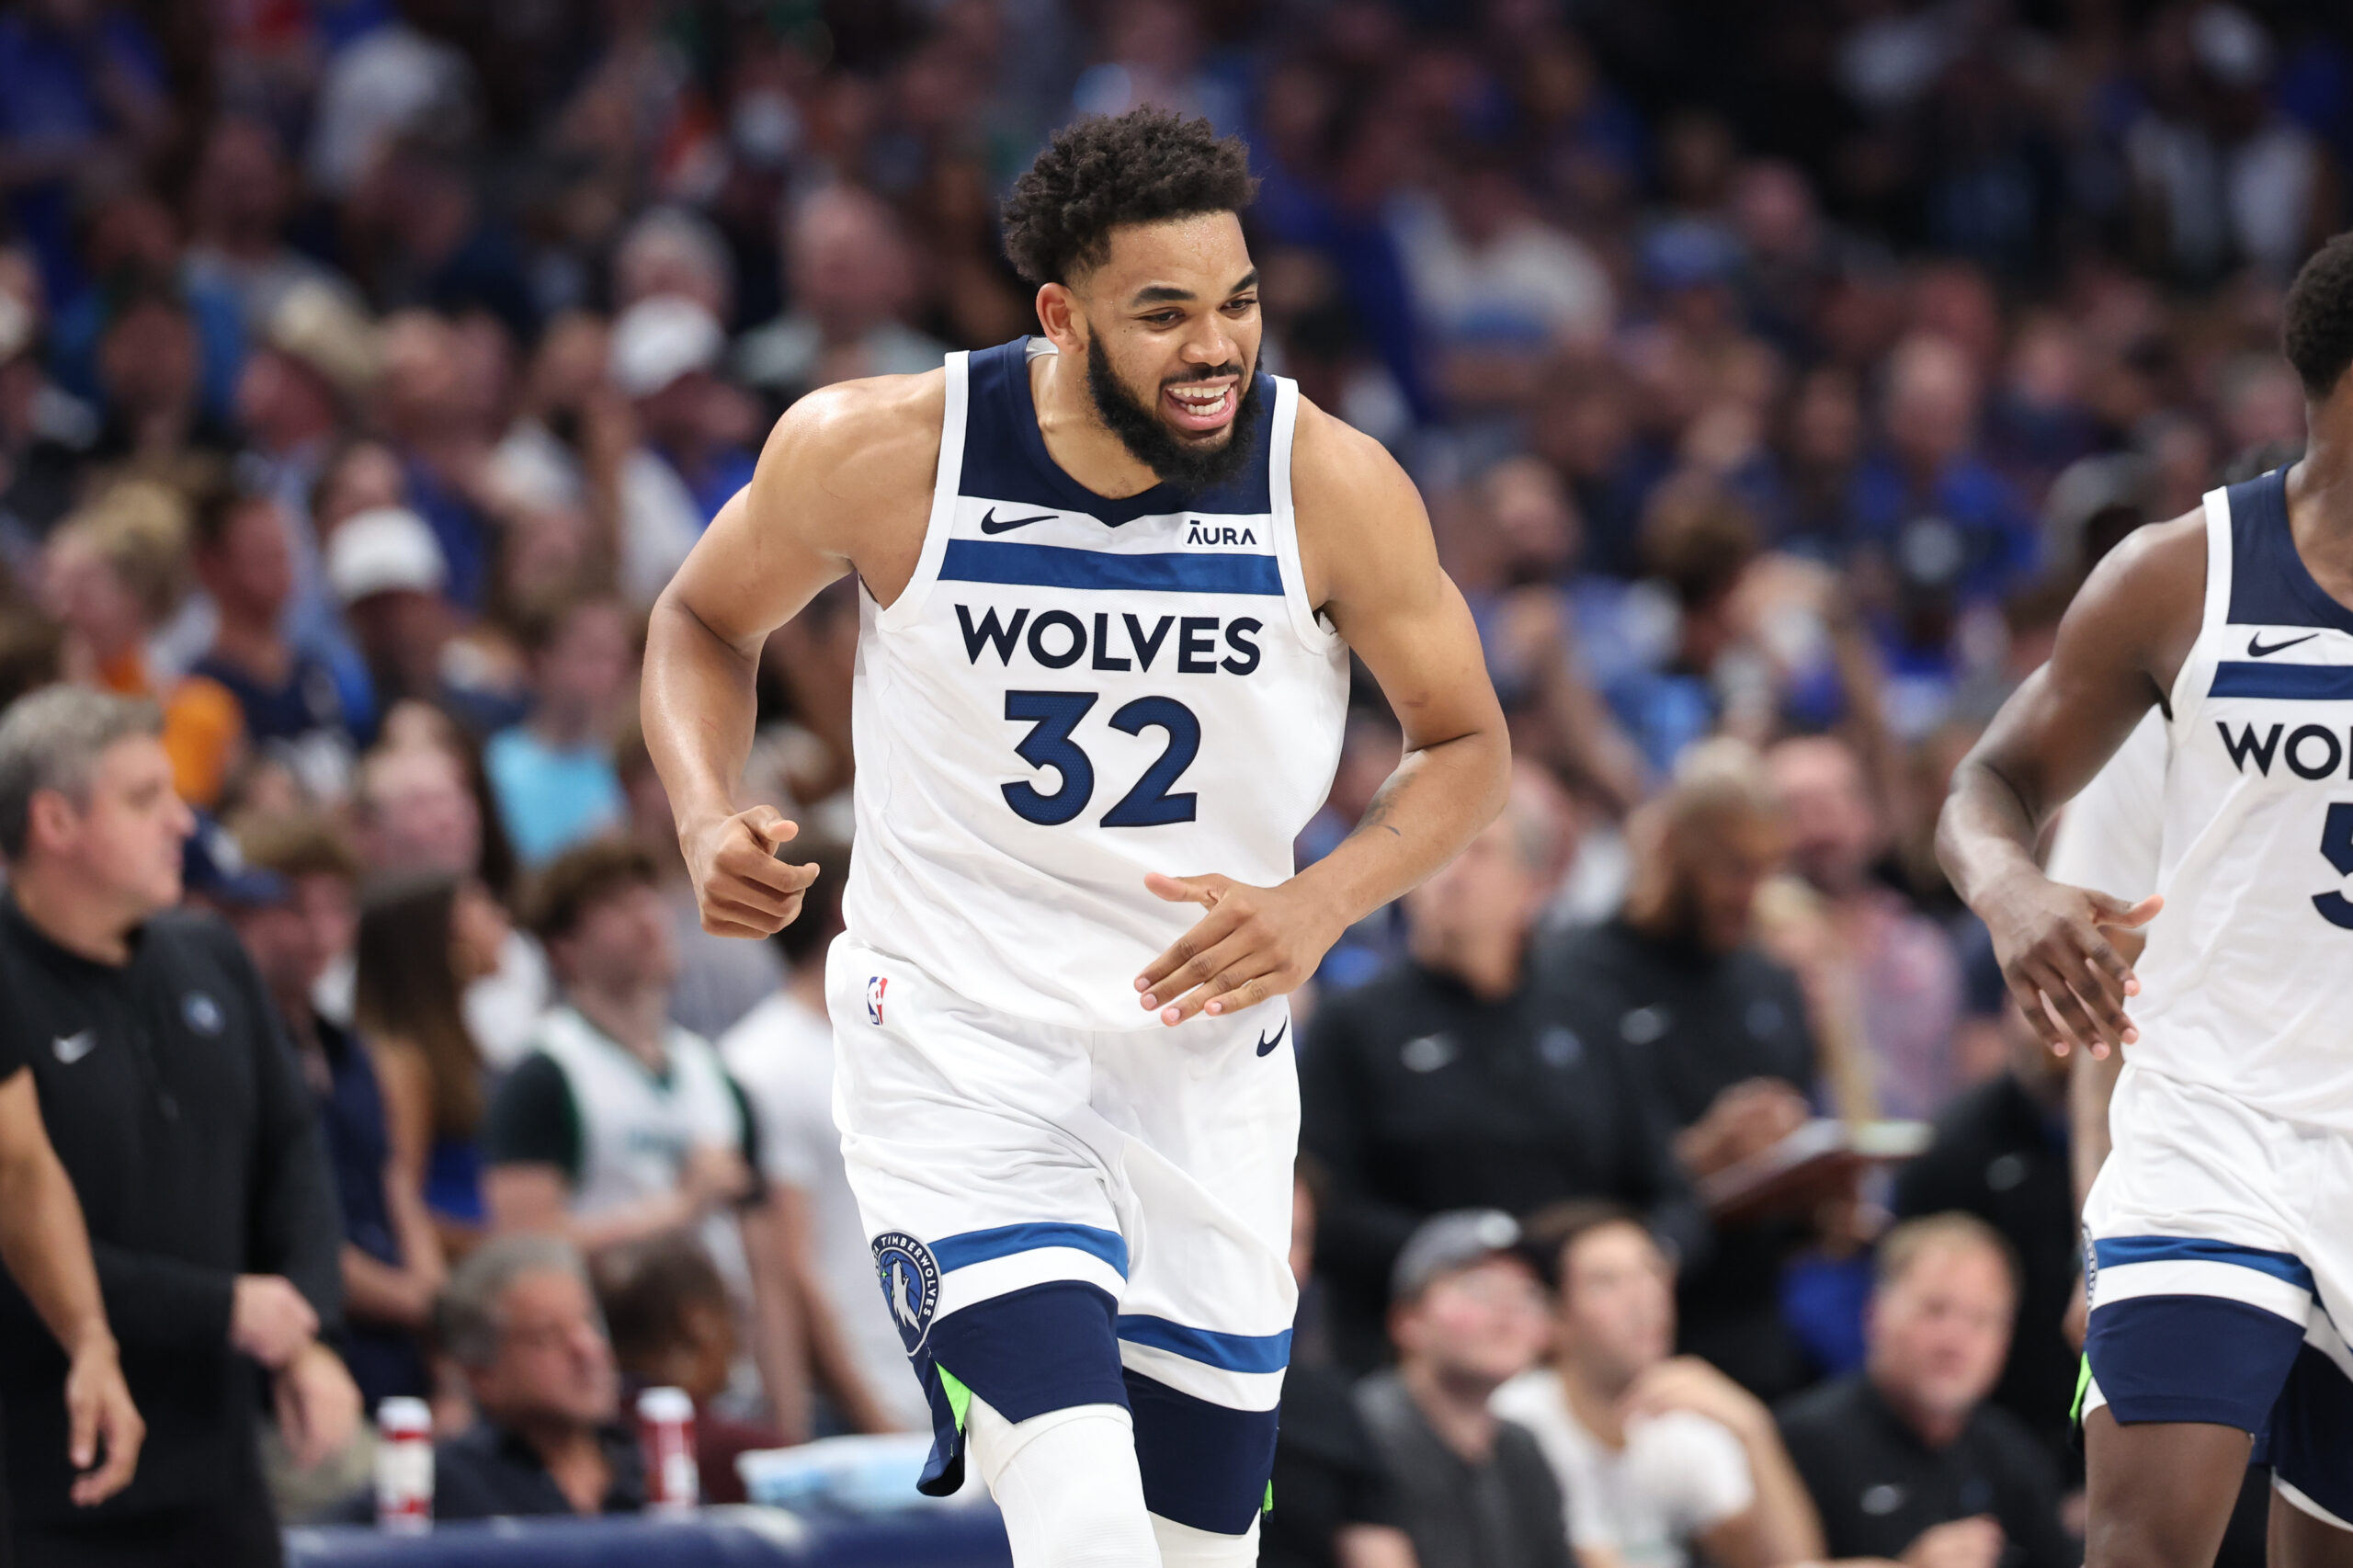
1145, 166
2316, 330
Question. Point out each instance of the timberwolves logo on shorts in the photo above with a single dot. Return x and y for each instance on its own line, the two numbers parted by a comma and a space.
910, 1278
875, 987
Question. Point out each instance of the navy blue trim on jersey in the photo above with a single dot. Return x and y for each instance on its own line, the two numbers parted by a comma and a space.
2297, 682
2311, 1445
1230, 1352
1005, 457
2114, 1251
978, 1246
2191, 1358
2270, 584
1054, 566
1204, 1465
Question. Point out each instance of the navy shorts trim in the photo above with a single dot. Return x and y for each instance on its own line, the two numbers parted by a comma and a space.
2191, 1358
1204, 1465
1045, 1347
2311, 1445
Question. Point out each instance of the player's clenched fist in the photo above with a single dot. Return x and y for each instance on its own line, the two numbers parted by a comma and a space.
2069, 980
1253, 943
743, 889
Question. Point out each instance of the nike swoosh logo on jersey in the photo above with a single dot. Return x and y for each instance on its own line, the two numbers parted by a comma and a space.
72, 1048
2255, 650
989, 524
1265, 1045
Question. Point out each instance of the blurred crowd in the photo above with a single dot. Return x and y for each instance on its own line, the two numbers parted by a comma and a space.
1773, 372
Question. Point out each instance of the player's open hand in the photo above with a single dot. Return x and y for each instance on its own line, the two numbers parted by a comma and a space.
1253, 943
743, 889
2068, 978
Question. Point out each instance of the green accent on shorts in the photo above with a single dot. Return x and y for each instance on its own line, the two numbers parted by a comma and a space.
2083, 1387
1268, 1505
960, 1398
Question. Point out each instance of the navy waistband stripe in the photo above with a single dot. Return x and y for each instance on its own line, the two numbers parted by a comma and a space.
2117, 1252
978, 1246
2309, 683
1056, 566
1230, 1352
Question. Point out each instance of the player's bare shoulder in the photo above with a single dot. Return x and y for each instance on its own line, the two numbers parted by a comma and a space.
1357, 510
849, 468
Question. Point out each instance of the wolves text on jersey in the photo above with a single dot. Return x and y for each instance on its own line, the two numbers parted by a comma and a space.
1056, 639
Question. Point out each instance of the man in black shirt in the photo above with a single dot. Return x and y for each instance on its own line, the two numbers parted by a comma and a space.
520, 1322
176, 1107
2001, 1154
1456, 1080
1473, 1490
1715, 1030
1905, 1458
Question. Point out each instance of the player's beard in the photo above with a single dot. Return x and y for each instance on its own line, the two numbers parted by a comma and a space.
1188, 465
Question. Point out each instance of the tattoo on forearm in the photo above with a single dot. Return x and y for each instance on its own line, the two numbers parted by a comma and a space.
1377, 814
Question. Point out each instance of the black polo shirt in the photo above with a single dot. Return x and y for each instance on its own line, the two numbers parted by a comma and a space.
1877, 1486
1418, 1096
1692, 1023
176, 1107
489, 1472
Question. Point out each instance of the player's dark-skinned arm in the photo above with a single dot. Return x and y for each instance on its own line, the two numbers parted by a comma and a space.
1366, 549
47, 1251
840, 460
2118, 649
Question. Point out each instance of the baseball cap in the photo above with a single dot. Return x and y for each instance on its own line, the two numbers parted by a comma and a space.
659, 339
381, 551
212, 867
317, 325
1444, 1243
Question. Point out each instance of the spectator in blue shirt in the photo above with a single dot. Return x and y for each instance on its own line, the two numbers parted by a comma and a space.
553, 775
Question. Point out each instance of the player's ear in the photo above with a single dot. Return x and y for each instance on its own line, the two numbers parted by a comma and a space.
1060, 314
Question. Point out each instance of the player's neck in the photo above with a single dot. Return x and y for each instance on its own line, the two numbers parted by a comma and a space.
1077, 441
2319, 499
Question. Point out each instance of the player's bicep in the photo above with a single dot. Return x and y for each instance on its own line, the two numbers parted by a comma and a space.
2122, 635
772, 546
1388, 596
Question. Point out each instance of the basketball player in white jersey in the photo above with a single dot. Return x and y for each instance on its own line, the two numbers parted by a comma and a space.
2220, 1229
1111, 580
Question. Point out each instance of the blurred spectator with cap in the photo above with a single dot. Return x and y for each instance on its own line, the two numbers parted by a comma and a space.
1718, 1032
1456, 1079
175, 1104
665, 352
1906, 1460
520, 1321
1661, 1457
308, 378
849, 275
1467, 1317
387, 568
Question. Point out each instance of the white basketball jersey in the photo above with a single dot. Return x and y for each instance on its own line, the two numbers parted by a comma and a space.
1073, 691
2248, 975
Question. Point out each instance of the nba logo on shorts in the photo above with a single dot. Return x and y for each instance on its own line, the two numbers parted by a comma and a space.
874, 988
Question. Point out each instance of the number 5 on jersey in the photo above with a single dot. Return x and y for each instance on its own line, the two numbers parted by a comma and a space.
1054, 715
